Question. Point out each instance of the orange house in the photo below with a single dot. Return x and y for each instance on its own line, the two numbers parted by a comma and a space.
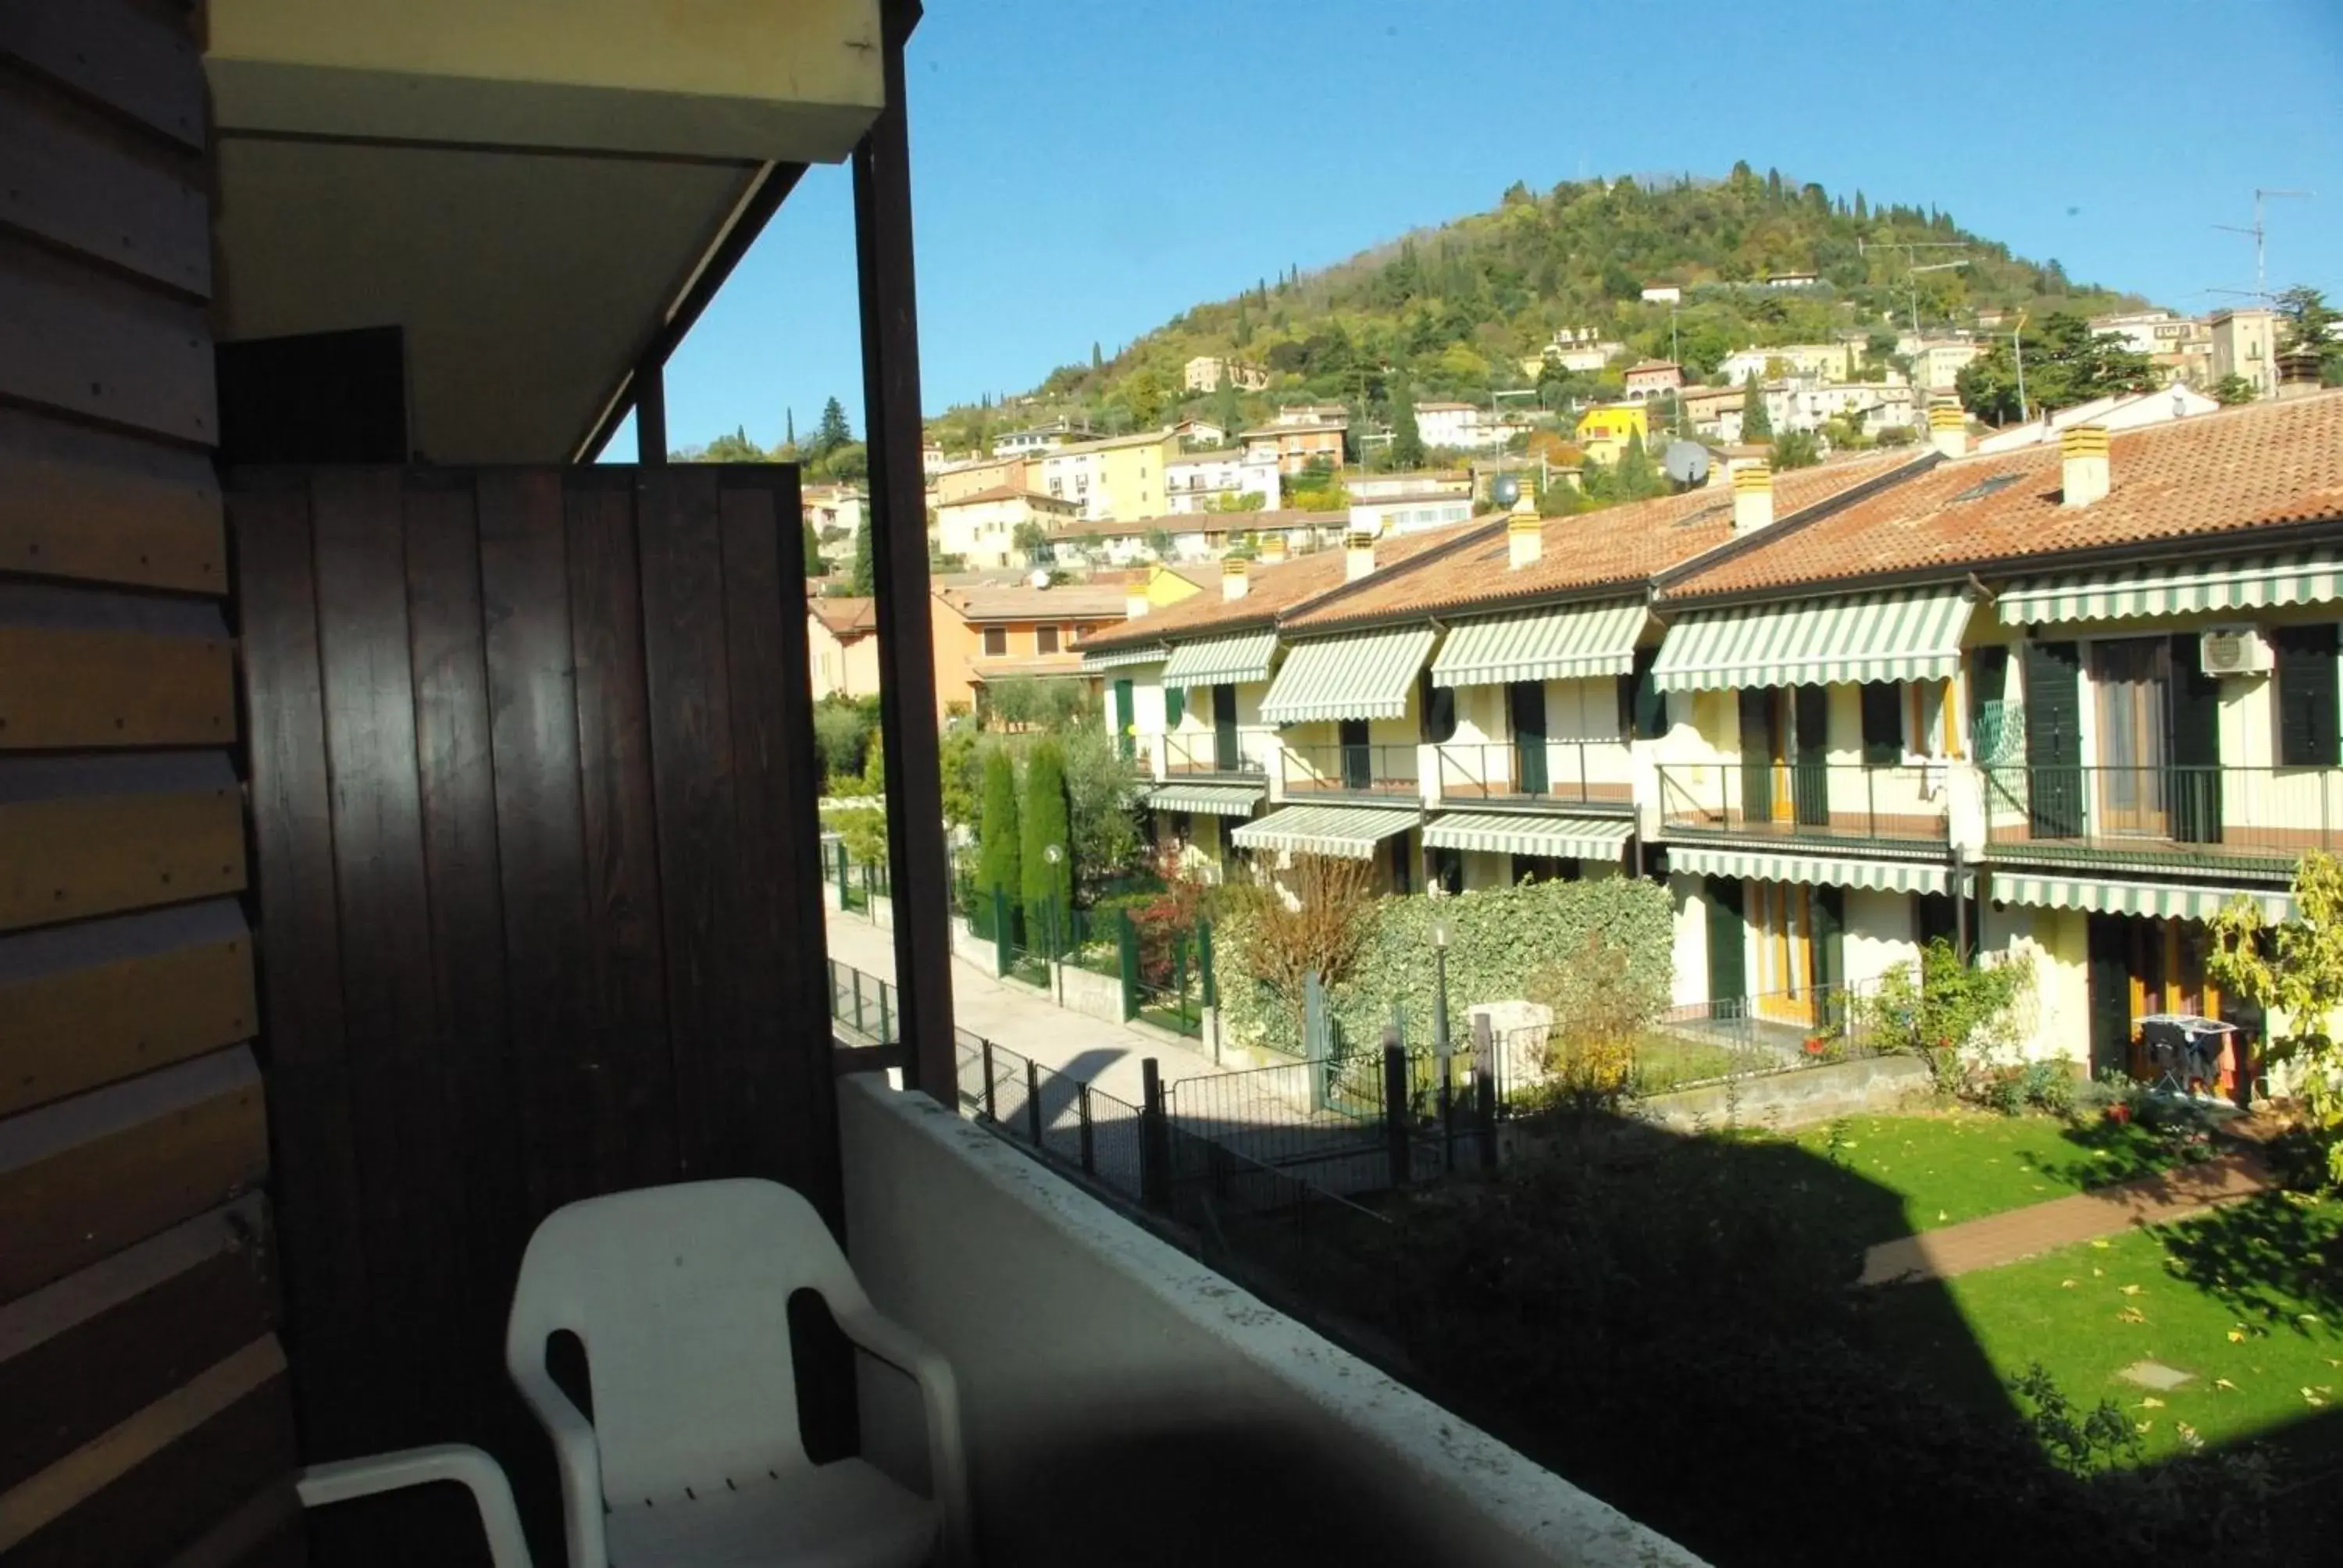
993, 634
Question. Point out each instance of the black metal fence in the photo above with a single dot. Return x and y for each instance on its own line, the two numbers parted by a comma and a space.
1073, 1123
863, 1004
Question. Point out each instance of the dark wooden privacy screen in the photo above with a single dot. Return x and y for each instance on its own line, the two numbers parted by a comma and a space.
534, 799
144, 1410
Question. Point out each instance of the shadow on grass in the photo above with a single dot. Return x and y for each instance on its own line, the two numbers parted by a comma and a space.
2110, 1151
2262, 1257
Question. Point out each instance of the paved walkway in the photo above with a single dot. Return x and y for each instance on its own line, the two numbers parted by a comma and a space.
2041, 1228
1106, 1055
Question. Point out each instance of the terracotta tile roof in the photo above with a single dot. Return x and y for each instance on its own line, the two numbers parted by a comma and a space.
1620, 546
2257, 467
1041, 664
1007, 493
1286, 518
1273, 591
845, 616
1024, 603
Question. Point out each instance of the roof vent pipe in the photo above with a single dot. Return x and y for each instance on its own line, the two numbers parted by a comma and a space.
2083, 465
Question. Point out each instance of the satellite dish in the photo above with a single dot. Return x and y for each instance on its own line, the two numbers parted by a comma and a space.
1504, 490
1040, 578
1687, 462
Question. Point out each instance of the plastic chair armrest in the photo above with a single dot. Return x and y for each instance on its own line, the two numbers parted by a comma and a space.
579, 1458
469, 1467
940, 1393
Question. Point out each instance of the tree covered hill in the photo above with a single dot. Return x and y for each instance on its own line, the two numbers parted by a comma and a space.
1454, 311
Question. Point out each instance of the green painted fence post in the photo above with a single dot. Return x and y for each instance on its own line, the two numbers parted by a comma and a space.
1001, 958
843, 902
885, 1024
1204, 962
1127, 938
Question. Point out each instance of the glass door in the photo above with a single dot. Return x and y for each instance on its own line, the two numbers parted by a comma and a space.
2131, 678
1783, 916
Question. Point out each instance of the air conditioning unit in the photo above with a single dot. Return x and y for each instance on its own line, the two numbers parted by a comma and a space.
2234, 651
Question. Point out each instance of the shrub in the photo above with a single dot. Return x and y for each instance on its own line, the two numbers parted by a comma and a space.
1957, 1019
2050, 1087
1046, 889
996, 837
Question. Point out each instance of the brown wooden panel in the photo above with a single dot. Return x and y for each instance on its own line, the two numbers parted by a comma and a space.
60, 690
627, 984
86, 1004
93, 1350
98, 507
76, 181
265, 1530
572, 1130
103, 347
139, 61
88, 1176
160, 1479
64, 859
318, 1203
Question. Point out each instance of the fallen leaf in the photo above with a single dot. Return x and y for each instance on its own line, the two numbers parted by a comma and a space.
2131, 1315
2098, 1273
1942, 1216
2131, 1290
2151, 1403
2308, 1397
2225, 1382
2065, 1285
2102, 1245
2141, 1426
2236, 1338
2305, 1317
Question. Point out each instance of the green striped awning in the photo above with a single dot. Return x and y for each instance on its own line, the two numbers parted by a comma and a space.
1367, 677
1830, 870
1209, 799
1502, 833
1569, 642
1350, 832
2178, 587
1116, 657
2099, 895
1910, 635
1221, 661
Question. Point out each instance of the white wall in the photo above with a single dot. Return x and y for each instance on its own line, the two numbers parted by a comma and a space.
2057, 1022
1691, 950
1122, 1403
1879, 933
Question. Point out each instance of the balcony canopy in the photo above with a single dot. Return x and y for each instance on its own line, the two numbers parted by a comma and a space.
1828, 871
2178, 587
2166, 900
1512, 833
1122, 658
1910, 635
1209, 799
1350, 833
1223, 660
1565, 642
1366, 677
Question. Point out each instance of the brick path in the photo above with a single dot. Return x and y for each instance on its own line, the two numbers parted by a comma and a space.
2041, 1228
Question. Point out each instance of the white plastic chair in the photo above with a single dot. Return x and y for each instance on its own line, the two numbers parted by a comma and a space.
344, 1479
680, 1295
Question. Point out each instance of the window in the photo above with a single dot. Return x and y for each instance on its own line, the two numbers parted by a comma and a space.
1175, 706
996, 641
1045, 640
1057, 486
1928, 721
1438, 706
2303, 695
1882, 723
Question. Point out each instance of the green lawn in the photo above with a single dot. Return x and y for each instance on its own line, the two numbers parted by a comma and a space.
2248, 1300
1662, 1062
1960, 1165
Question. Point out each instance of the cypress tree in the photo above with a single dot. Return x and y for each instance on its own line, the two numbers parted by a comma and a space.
996, 834
1756, 425
1407, 441
866, 568
1044, 822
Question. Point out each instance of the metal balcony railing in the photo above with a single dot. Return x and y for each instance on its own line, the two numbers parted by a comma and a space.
1890, 801
2183, 810
1223, 751
1584, 772
1375, 769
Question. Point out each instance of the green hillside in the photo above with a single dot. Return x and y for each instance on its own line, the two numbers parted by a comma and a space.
1452, 312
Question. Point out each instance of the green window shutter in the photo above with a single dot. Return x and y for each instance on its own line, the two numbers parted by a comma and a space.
1225, 756
2192, 785
1728, 975
1437, 704
1126, 714
1830, 937
1809, 771
1988, 685
1883, 722
1175, 706
2303, 691
2053, 739
1651, 713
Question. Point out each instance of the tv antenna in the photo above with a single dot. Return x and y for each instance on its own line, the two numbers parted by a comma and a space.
2258, 231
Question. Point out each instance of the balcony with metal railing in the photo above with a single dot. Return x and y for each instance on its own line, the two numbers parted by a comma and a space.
1891, 803
1379, 769
1594, 774
2165, 815
1213, 754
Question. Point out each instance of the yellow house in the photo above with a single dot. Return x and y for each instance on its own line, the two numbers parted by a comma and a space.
1603, 430
1166, 585
1131, 468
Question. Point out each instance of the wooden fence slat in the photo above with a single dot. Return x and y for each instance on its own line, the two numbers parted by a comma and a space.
83, 1005
71, 181
99, 507
61, 689
65, 859
76, 340
89, 1176
692, 770
90, 1350
627, 980
127, 56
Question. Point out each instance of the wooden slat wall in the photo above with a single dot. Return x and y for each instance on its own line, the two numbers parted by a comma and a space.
146, 1413
534, 790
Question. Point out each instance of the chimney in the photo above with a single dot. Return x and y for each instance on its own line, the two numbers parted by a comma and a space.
1752, 497
1524, 540
1358, 554
2083, 463
1233, 578
1134, 604
1948, 429
1273, 549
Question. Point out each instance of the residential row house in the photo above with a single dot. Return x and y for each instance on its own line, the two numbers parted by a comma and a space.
1216, 480
1464, 426
981, 529
842, 642
1300, 437
1113, 478
988, 634
1188, 538
2064, 702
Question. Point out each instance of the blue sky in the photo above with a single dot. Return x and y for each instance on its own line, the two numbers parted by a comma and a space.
1084, 169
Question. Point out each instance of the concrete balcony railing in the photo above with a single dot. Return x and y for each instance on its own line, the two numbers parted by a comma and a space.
1122, 1403
1883, 803
2178, 812
1222, 754
1554, 772
1384, 768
